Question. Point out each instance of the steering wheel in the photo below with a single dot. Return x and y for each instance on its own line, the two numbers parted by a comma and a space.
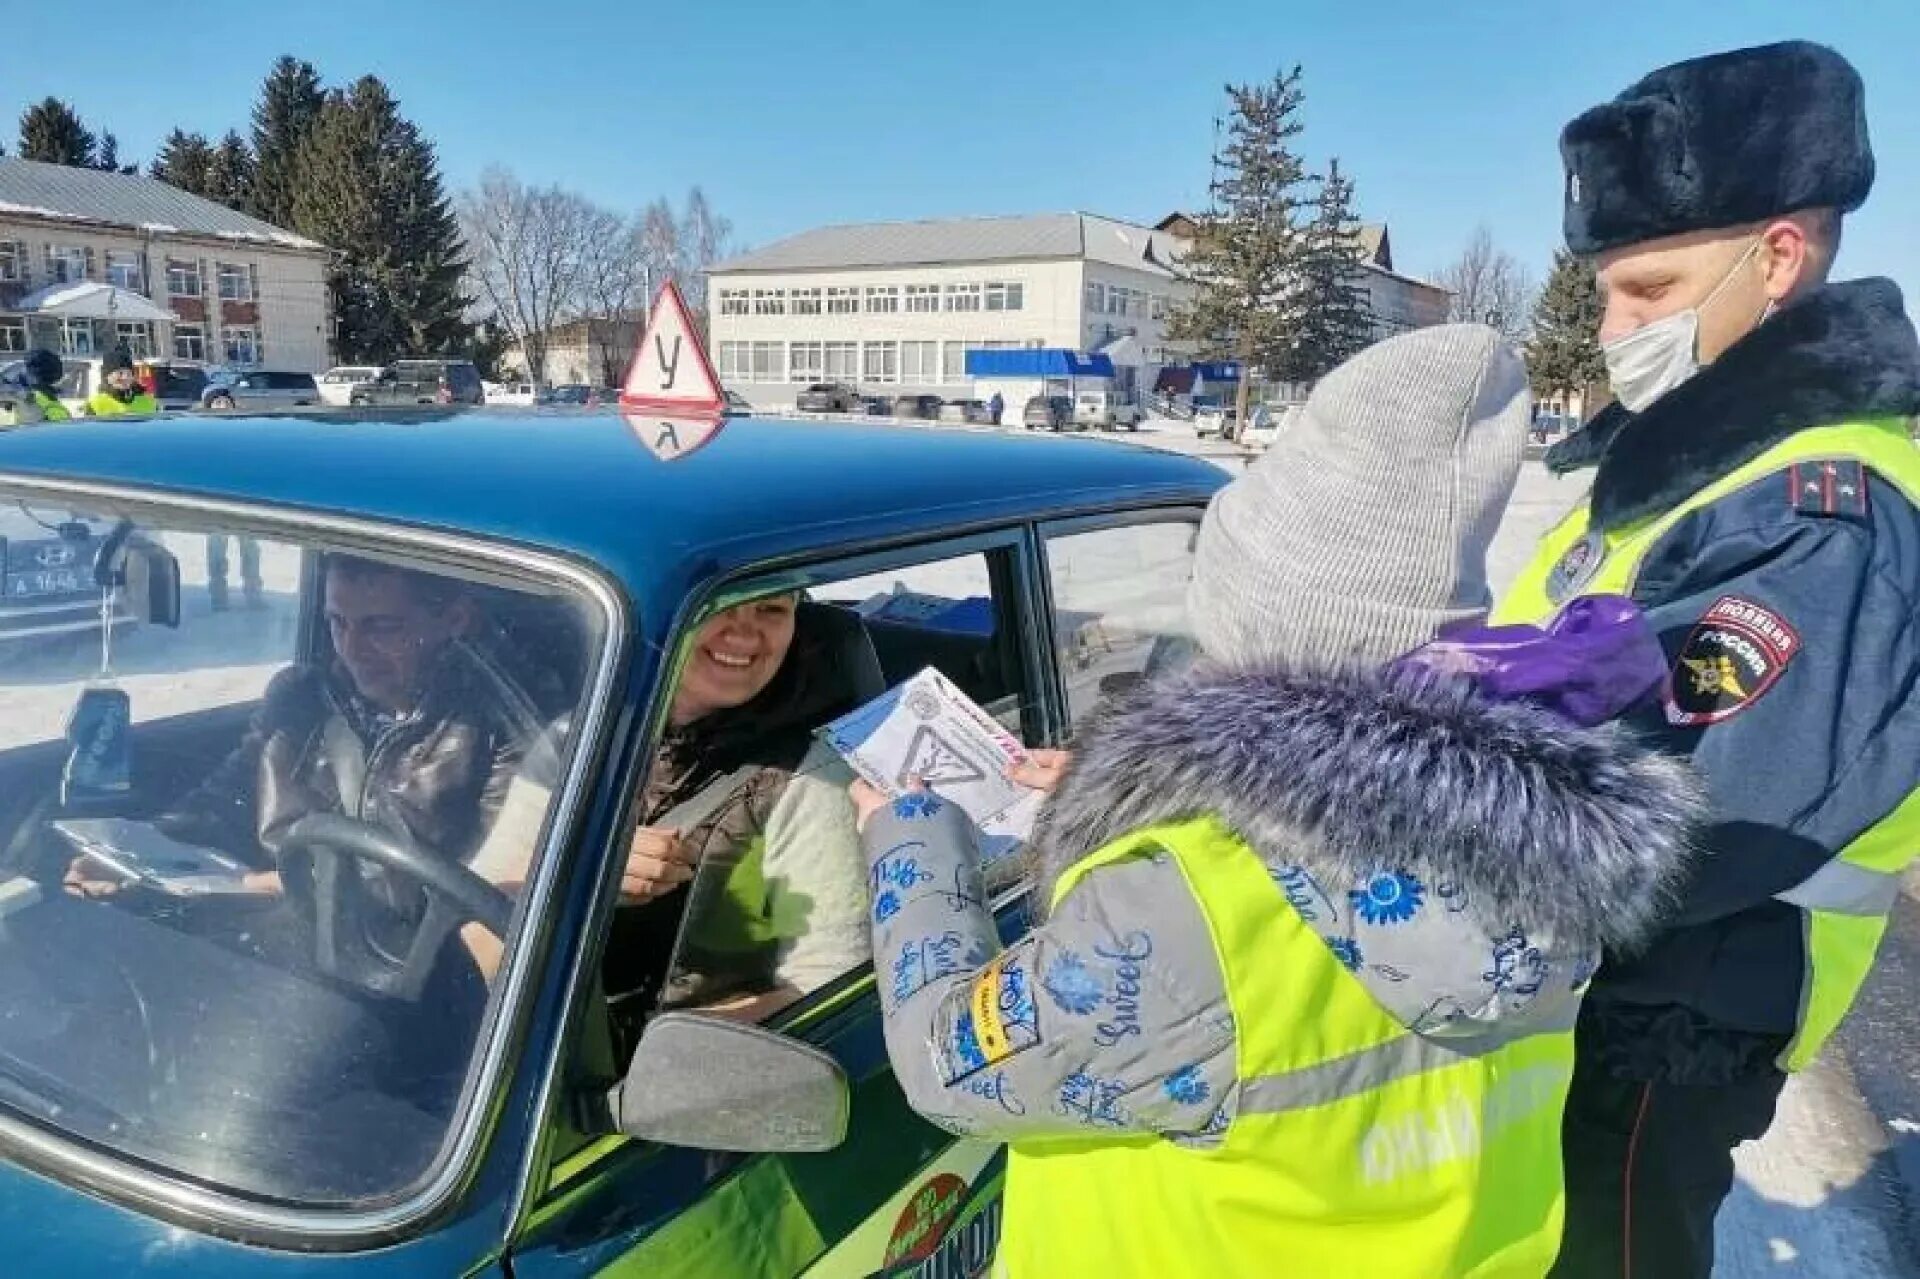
454, 894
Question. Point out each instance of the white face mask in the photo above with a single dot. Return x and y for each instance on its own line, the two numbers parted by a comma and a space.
1654, 358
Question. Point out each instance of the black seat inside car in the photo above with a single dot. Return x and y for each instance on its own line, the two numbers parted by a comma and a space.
850, 648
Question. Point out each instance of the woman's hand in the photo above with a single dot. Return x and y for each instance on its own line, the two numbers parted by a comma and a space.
868, 799
1042, 770
658, 862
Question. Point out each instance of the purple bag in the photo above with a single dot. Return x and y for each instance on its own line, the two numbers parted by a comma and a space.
1595, 660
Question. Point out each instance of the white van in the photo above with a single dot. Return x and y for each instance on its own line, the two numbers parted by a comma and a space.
336, 384
1102, 409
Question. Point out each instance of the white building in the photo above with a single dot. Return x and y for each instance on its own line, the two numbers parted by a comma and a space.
894, 307
223, 287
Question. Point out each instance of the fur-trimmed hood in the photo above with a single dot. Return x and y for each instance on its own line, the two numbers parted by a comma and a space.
1844, 352
1461, 855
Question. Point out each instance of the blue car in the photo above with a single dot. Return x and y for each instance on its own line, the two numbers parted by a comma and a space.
314, 954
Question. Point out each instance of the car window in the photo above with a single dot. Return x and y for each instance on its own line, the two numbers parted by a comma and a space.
1119, 605
179, 821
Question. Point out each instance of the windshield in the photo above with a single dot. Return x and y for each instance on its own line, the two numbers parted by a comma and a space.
254, 879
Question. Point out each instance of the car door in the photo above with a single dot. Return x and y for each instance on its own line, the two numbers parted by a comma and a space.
897, 1191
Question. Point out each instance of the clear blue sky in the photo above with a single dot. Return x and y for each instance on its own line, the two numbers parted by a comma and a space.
793, 115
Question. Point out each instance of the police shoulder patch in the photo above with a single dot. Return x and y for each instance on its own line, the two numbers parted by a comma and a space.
1735, 653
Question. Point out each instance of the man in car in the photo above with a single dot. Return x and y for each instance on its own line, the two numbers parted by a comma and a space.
119, 393
415, 726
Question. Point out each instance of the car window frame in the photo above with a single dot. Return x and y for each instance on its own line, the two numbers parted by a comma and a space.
499, 1052
552, 1173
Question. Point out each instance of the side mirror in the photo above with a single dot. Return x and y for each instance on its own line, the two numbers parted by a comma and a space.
706, 1082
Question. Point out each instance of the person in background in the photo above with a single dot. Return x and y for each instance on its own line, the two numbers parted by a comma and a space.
119, 394
997, 406
217, 570
1314, 931
38, 399
1758, 494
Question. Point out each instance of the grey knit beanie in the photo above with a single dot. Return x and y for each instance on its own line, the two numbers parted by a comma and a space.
1365, 527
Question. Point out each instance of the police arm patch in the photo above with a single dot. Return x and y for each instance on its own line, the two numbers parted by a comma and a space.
1734, 654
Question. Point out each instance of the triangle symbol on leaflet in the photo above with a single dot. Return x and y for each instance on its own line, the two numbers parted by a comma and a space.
933, 760
671, 373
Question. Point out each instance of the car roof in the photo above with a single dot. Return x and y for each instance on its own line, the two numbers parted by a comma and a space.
585, 485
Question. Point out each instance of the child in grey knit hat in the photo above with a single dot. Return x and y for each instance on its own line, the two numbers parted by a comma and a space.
1303, 904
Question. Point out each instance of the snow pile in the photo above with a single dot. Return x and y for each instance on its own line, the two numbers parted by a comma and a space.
35, 211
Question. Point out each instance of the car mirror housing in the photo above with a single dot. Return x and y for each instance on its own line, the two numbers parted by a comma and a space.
706, 1082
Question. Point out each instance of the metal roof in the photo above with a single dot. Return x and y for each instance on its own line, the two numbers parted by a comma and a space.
61, 193
583, 484
950, 240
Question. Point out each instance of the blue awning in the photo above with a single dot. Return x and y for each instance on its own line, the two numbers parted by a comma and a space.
1043, 362
1219, 371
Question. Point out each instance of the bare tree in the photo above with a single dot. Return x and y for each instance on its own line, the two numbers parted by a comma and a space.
614, 282
704, 237
529, 253
1489, 286
660, 245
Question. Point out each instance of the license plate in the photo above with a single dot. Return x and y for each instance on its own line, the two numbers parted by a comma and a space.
57, 581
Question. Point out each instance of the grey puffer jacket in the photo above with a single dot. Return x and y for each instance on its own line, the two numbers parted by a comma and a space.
1465, 859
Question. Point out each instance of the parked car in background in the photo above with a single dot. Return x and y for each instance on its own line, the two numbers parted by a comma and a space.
514, 394
1268, 422
422, 382
735, 406
875, 406
261, 389
571, 395
337, 384
175, 385
1048, 412
975, 412
828, 397
1215, 419
46, 573
925, 408
1103, 410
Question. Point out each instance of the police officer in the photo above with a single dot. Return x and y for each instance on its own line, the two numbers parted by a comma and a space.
1756, 493
38, 400
119, 394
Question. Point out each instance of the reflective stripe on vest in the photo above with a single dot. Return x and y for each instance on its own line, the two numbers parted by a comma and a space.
1356, 1147
1846, 901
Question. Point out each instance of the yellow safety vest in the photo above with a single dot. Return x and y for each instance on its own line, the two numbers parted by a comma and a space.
1846, 902
1358, 1148
102, 404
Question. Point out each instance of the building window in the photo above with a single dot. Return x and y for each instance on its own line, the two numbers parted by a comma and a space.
240, 344
769, 301
236, 281
123, 270
183, 279
883, 301
733, 301
189, 342
13, 335
963, 297
137, 338
1006, 297
881, 362
806, 301
1160, 306
1096, 302
843, 361
769, 361
76, 337
920, 362
806, 362
843, 301
923, 299
953, 366
66, 264
733, 361
13, 261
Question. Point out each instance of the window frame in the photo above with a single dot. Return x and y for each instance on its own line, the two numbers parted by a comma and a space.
15, 261
130, 269
187, 331
499, 1049
68, 329
231, 333
11, 325
240, 276
185, 272
59, 256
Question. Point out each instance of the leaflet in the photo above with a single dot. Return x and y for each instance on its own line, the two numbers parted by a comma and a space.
140, 853
926, 729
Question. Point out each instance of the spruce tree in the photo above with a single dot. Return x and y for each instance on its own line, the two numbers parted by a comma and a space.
1563, 355
290, 104
1337, 318
370, 190
108, 155
183, 162
230, 172
51, 131
1248, 256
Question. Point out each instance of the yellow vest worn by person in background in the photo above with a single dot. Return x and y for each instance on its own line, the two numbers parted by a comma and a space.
1359, 1149
1845, 904
105, 404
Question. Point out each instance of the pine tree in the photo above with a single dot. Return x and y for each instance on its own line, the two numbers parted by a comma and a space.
183, 162
51, 131
230, 172
108, 157
1563, 355
1337, 320
290, 103
1248, 256
371, 191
